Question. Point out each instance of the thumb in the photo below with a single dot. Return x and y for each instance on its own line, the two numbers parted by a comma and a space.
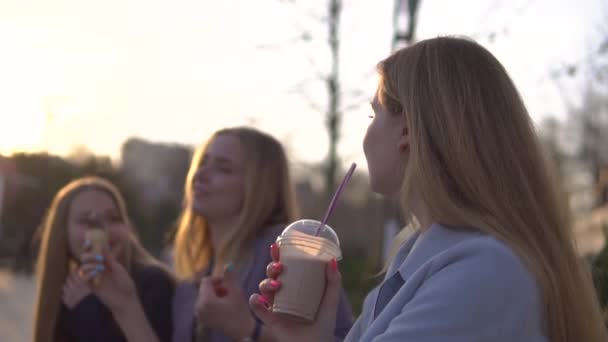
261, 309
206, 295
275, 252
331, 299
222, 284
206, 288
230, 275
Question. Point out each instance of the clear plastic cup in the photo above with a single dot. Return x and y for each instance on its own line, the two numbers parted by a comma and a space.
304, 257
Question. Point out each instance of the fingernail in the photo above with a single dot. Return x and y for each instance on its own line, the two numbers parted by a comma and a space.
221, 291
275, 284
334, 264
273, 248
229, 267
100, 268
276, 267
99, 257
263, 301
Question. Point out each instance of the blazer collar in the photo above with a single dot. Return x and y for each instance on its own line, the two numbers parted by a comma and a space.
423, 246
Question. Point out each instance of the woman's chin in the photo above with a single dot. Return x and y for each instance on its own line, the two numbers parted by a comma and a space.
198, 209
384, 191
377, 187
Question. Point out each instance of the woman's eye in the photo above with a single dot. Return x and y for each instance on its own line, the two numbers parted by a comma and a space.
225, 170
115, 218
87, 222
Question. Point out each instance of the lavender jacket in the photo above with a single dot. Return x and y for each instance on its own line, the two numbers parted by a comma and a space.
186, 293
457, 286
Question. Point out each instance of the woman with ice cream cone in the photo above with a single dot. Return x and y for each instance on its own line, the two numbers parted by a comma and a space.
95, 280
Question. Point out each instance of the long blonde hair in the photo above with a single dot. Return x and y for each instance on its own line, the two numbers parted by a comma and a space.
53, 264
476, 162
269, 198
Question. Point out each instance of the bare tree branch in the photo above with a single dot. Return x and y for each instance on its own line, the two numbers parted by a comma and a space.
590, 61
303, 37
354, 106
335, 94
318, 73
300, 90
501, 29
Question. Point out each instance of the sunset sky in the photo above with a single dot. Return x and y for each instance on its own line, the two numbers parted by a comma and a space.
93, 73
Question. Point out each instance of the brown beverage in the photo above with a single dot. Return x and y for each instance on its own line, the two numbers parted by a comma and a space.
302, 287
304, 257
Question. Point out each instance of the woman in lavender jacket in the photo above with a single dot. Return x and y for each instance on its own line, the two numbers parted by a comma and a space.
238, 198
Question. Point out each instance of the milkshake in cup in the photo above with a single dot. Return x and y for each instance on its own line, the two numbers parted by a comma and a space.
305, 249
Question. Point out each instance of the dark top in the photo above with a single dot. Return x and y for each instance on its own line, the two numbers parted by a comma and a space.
91, 321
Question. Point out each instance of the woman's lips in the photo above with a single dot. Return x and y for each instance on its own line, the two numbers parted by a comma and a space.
201, 192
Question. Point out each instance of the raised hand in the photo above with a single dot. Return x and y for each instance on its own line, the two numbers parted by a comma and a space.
221, 305
286, 329
74, 290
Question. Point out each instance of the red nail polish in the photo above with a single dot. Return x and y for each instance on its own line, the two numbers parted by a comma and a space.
276, 267
334, 265
221, 292
262, 300
273, 248
275, 284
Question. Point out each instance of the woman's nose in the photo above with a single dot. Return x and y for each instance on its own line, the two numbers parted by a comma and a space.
98, 222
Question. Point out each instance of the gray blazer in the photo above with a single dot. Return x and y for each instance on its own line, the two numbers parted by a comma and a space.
186, 293
458, 286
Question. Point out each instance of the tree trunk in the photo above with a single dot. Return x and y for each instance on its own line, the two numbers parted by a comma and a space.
334, 115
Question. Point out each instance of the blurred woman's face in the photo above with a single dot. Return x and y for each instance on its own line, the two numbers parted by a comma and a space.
218, 185
95, 209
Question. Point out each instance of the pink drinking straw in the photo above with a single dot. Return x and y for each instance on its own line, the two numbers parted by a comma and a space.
334, 200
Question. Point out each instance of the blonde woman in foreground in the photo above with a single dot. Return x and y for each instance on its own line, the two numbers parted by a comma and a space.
493, 258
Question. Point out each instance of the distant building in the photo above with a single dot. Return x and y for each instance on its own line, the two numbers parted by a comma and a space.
2, 186
7, 172
156, 171
10, 182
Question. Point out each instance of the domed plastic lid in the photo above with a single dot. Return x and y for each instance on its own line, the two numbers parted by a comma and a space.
310, 227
